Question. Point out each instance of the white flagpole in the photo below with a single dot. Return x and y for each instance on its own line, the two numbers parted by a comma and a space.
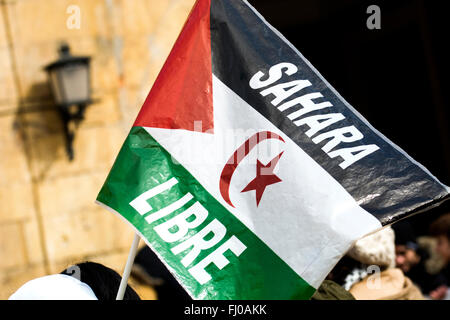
127, 270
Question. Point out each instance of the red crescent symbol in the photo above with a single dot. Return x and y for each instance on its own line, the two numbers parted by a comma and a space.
237, 157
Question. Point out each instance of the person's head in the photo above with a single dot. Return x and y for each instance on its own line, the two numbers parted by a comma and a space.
440, 229
102, 280
84, 281
54, 287
405, 257
375, 249
406, 248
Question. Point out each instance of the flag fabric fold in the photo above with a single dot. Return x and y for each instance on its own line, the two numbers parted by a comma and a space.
247, 173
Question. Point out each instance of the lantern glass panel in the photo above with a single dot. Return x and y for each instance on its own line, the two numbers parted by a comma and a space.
57, 89
74, 84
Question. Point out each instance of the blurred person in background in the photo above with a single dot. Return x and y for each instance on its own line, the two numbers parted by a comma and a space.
440, 229
368, 270
407, 253
411, 258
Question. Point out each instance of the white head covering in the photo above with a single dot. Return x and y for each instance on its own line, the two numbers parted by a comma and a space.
377, 248
54, 287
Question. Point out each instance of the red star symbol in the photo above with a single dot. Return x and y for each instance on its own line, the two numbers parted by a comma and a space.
264, 178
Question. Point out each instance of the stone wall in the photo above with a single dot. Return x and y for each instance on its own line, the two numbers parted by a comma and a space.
48, 219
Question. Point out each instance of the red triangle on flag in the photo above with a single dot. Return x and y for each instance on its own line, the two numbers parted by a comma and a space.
182, 92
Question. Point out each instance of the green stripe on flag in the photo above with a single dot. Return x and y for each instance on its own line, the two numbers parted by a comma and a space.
256, 273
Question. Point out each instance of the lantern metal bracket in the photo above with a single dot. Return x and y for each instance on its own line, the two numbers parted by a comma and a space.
71, 120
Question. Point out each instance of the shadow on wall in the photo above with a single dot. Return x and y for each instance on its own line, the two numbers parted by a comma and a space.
41, 129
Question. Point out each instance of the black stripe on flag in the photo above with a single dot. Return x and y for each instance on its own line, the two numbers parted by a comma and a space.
387, 183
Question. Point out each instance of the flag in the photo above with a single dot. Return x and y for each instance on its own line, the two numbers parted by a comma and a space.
247, 173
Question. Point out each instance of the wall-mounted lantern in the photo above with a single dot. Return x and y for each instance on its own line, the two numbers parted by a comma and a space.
69, 79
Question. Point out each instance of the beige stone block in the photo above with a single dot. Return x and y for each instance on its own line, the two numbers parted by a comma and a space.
144, 54
159, 51
8, 107
38, 38
11, 281
143, 17
170, 27
16, 202
105, 111
33, 244
30, 62
133, 17
12, 246
3, 36
143, 59
39, 123
121, 231
37, 21
8, 93
105, 62
95, 148
42, 123
13, 163
70, 194
83, 234
124, 238
131, 37
132, 102
136, 55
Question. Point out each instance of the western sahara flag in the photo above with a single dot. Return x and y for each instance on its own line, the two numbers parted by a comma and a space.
247, 173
